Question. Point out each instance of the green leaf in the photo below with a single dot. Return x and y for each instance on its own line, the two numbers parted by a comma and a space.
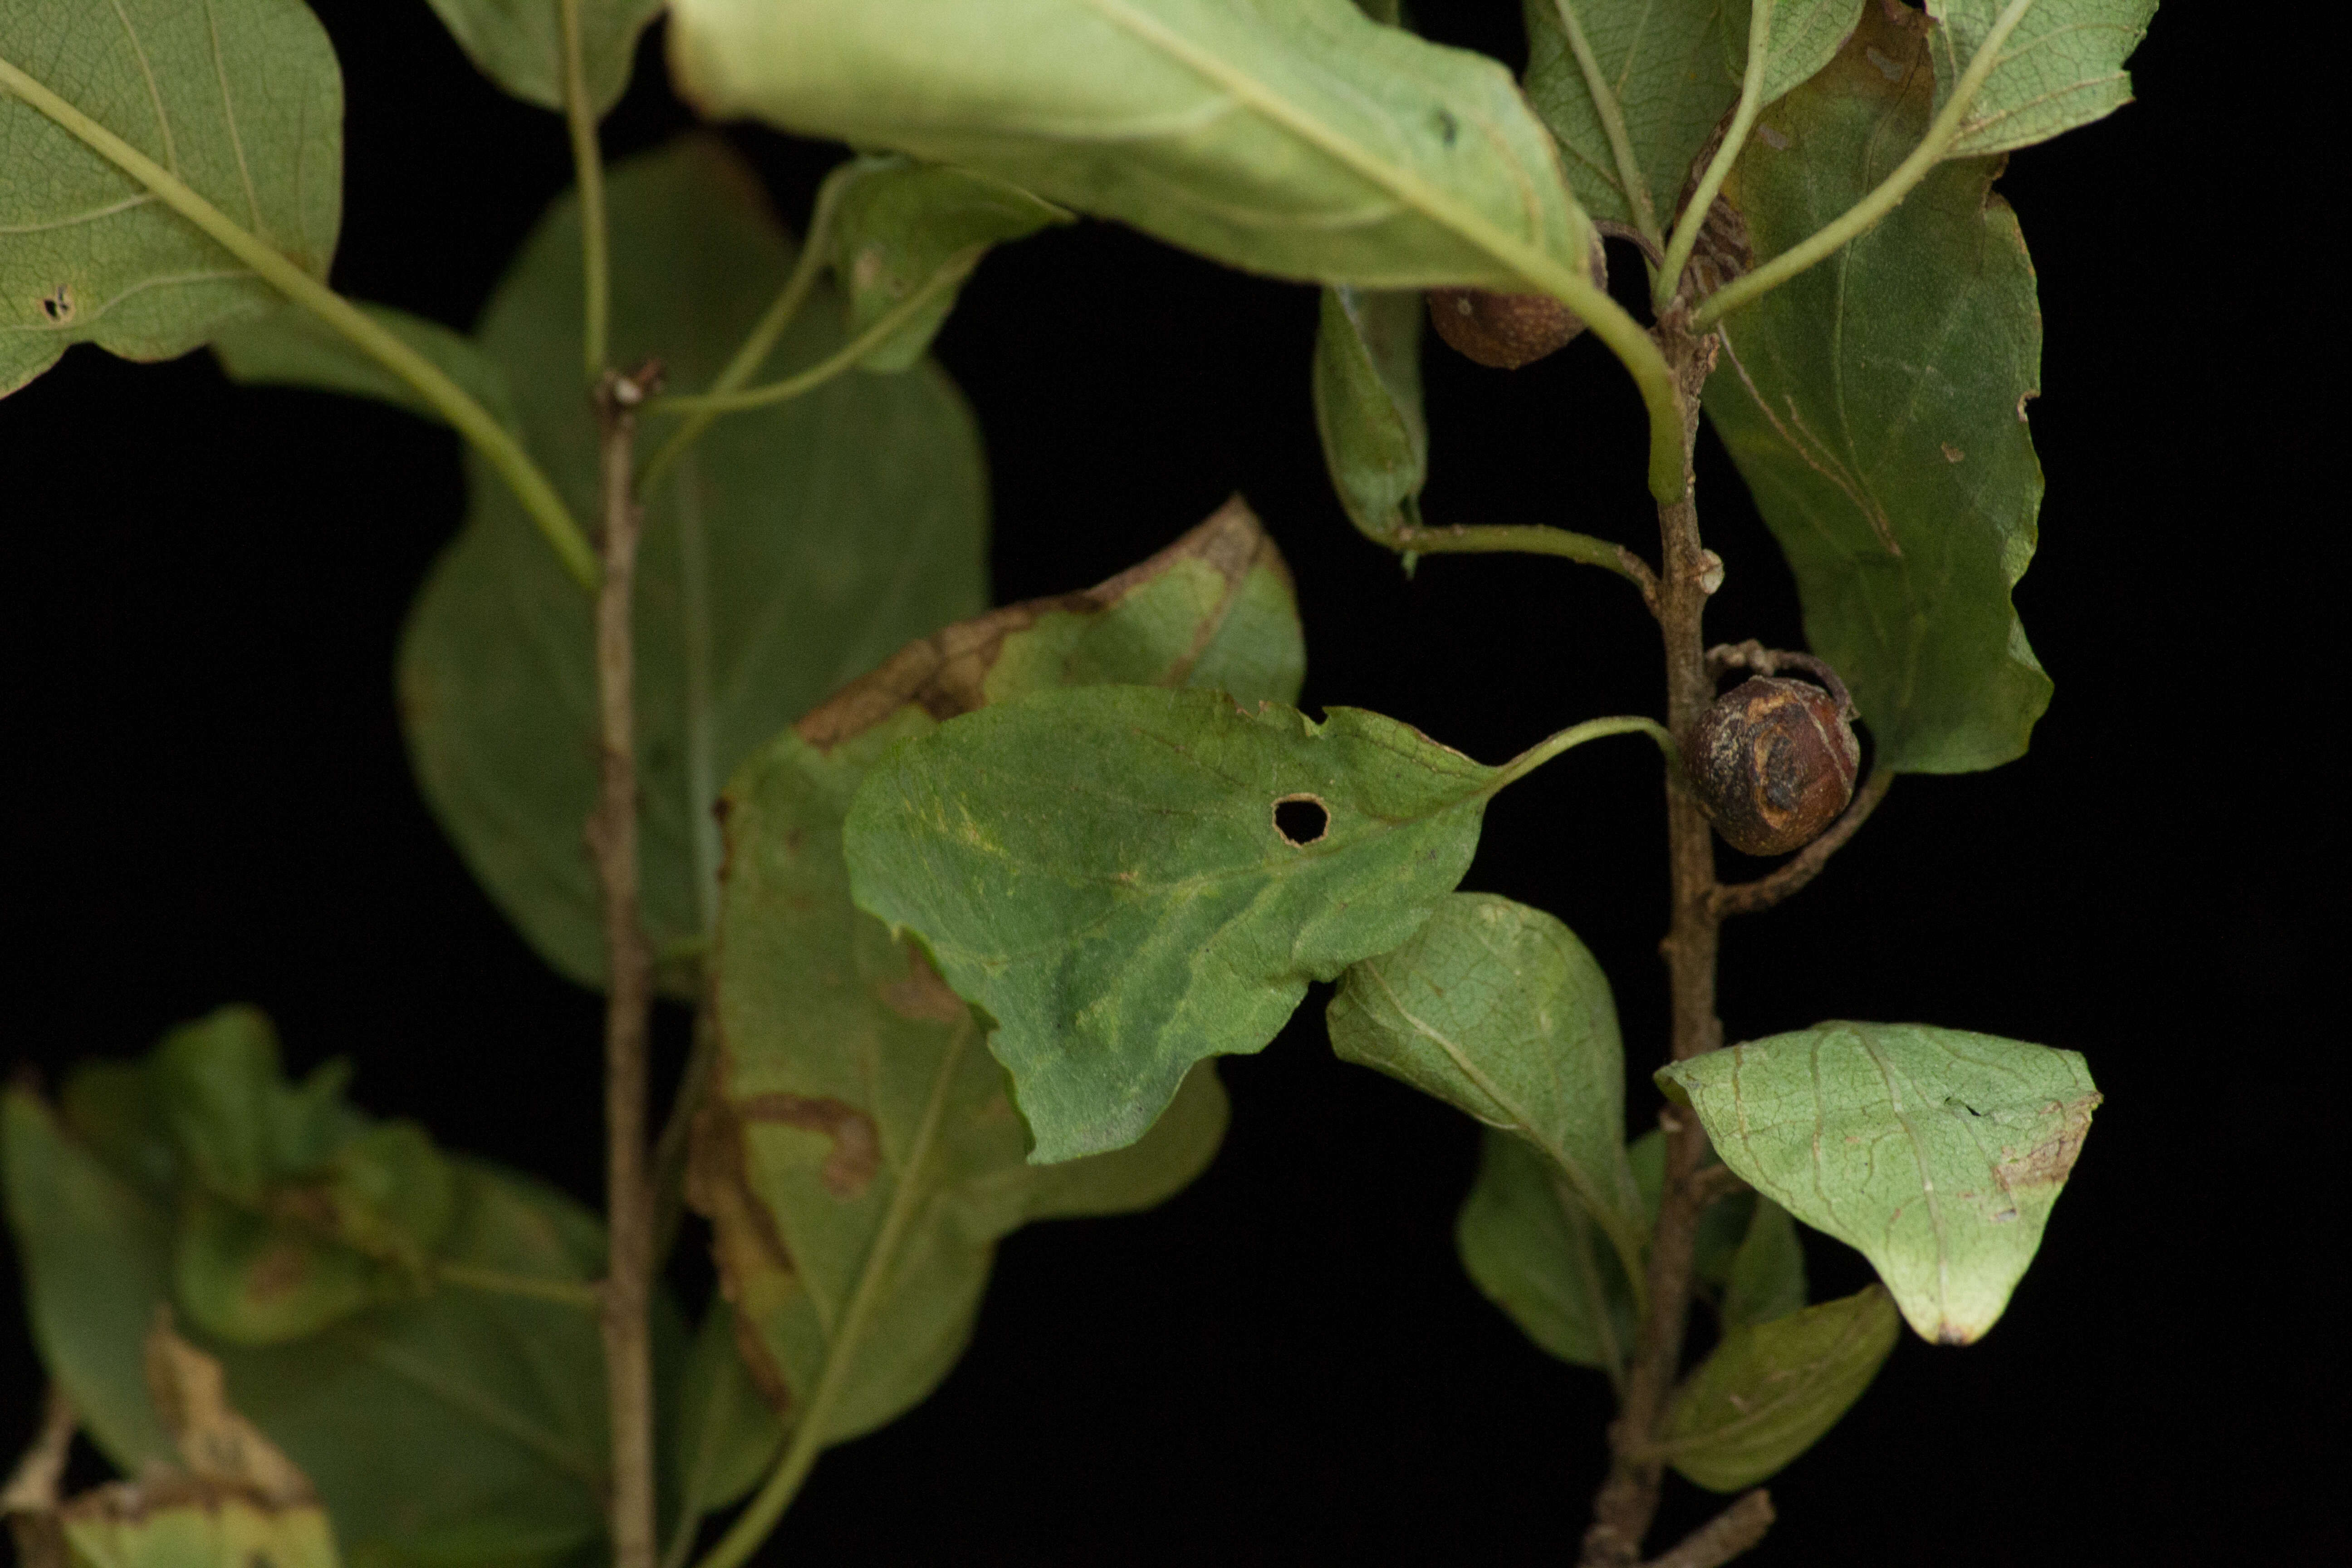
291, 347
1935, 1153
463, 1426
896, 225
1497, 1009
722, 1436
1875, 405
1368, 405
791, 548
1804, 38
1530, 1245
1766, 1278
241, 100
1107, 872
852, 1086
518, 44
2061, 66
1771, 1389
1722, 1225
1303, 140
1667, 70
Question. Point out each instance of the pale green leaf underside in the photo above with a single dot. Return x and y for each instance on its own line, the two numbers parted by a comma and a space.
792, 548
1530, 1245
1935, 1153
1101, 871
518, 44
2062, 66
459, 1428
1770, 1390
1293, 137
897, 224
1672, 67
1875, 405
1497, 1009
241, 100
291, 347
1805, 36
838, 1037
1368, 405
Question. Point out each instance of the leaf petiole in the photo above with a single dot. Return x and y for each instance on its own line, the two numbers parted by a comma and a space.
1575, 735
496, 443
588, 161
950, 275
1865, 214
1743, 120
500, 1283
758, 1517
806, 269
1528, 539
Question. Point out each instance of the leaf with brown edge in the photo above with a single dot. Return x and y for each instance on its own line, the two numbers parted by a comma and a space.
839, 1044
1935, 1153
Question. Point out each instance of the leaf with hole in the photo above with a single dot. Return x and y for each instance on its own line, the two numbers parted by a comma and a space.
1770, 1389
1875, 405
518, 44
858, 1131
2061, 65
291, 347
899, 223
1303, 140
1497, 1009
1637, 102
461, 1424
1368, 405
1937, 1153
793, 547
1130, 880
240, 99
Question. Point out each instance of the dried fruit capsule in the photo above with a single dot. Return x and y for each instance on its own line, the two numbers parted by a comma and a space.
1772, 762
1508, 331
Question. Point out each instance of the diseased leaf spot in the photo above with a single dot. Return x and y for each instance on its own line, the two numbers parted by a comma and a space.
1448, 128
1952, 454
1301, 819
1773, 139
58, 305
857, 1155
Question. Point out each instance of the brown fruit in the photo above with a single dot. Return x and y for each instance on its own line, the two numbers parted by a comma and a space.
1772, 762
1508, 331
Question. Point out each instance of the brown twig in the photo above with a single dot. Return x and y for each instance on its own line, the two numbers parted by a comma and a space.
613, 839
1713, 1184
1724, 1537
29, 1501
1628, 1498
1747, 897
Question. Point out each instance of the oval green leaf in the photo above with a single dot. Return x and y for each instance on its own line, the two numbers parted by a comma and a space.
1497, 1009
1368, 405
518, 44
852, 1085
1303, 140
1935, 1153
1876, 406
241, 100
897, 225
1530, 1245
1770, 1390
792, 548
2061, 66
1130, 881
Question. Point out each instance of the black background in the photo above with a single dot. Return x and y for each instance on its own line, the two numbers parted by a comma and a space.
207, 800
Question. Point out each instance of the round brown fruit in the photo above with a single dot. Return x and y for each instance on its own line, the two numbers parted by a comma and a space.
1772, 764
1508, 331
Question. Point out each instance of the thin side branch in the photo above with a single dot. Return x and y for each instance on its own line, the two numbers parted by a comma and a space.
1734, 1530
613, 838
1750, 897
1531, 539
